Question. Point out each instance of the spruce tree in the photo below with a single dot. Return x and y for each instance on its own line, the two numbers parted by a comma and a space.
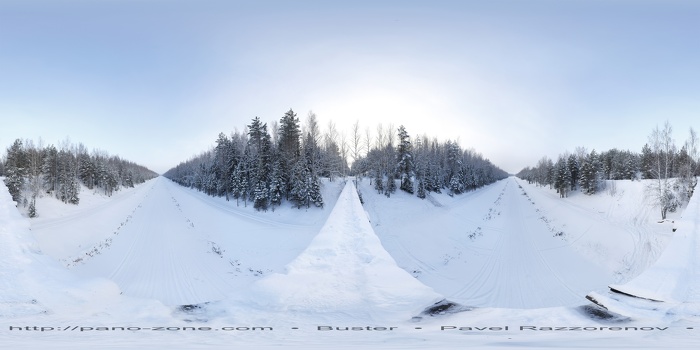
404, 161
378, 182
421, 189
16, 170
390, 186
32, 209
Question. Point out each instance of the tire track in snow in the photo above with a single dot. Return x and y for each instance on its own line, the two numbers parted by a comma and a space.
43, 224
516, 274
99, 247
160, 255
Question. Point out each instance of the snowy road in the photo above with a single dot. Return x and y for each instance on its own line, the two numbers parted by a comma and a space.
492, 247
160, 254
527, 266
174, 244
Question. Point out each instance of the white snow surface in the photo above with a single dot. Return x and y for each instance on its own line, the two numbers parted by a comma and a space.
346, 270
670, 288
129, 260
675, 276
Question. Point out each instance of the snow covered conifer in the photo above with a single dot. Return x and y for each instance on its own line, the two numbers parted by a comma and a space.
421, 189
378, 182
315, 193
572, 165
390, 186
589, 175
16, 170
32, 209
276, 185
261, 199
404, 161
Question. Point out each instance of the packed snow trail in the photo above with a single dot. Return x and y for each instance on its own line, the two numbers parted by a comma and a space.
345, 271
491, 248
159, 254
524, 269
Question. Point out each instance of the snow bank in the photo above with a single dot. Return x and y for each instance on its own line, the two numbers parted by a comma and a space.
16, 247
345, 270
675, 276
30, 282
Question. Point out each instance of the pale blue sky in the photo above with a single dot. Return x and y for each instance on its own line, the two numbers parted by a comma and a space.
156, 81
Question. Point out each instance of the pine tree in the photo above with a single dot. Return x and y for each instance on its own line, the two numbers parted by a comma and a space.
405, 166
289, 147
261, 200
300, 184
562, 182
455, 185
647, 162
390, 186
315, 193
238, 182
276, 185
421, 189
378, 182
573, 168
589, 173
16, 170
32, 209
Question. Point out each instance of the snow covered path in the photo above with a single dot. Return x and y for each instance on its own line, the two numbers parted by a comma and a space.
493, 247
527, 266
160, 254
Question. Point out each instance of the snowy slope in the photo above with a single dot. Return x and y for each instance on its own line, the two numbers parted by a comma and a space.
617, 228
16, 257
675, 276
345, 270
670, 288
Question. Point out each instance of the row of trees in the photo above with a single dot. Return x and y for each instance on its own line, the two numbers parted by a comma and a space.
34, 170
265, 168
674, 171
425, 165
286, 162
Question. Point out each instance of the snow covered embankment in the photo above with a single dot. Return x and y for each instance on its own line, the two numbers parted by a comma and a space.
345, 271
30, 282
669, 287
15, 258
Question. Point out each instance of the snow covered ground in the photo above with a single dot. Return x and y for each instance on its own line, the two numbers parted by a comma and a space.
135, 270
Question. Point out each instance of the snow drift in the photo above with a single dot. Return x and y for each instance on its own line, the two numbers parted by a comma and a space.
32, 283
672, 282
16, 251
345, 270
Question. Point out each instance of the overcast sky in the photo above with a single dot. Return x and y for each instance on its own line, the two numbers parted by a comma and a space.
156, 81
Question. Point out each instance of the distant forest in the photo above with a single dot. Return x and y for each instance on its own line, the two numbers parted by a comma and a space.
674, 169
31, 171
285, 162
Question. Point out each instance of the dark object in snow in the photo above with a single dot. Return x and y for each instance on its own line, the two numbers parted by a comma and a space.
444, 307
598, 312
632, 295
188, 308
193, 312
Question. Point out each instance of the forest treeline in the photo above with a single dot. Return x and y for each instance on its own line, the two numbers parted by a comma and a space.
34, 170
266, 166
673, 170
